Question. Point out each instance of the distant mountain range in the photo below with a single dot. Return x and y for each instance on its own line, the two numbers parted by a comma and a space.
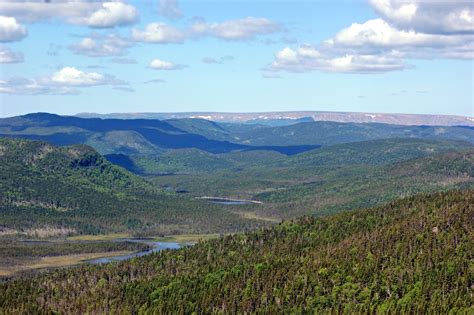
286, 118
153, 137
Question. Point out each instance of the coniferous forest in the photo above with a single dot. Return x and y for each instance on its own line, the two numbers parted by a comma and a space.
236, 157
409, 256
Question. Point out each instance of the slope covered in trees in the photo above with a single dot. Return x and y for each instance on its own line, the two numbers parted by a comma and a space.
409, 256
75, 189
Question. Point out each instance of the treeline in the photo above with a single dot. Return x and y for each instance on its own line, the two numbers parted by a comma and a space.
410, 256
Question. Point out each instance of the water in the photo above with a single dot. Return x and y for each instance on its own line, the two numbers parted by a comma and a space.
155, 247
224, 202
228, 201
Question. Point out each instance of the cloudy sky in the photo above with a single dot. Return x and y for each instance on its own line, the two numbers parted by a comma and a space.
399, 56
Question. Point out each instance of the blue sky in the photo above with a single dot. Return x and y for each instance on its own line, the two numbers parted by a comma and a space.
388, 56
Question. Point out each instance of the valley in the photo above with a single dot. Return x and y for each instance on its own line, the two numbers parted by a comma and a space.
398, 257
236, 157
79, 196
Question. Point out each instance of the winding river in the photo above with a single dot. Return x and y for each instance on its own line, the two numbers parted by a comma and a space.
155, 247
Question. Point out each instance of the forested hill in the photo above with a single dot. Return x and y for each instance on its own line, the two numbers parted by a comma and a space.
409, 256
76, 189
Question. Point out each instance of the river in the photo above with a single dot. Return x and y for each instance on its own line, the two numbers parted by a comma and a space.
155, 247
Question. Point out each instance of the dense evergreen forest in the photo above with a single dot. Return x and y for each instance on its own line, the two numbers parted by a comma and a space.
409, 256
49, 191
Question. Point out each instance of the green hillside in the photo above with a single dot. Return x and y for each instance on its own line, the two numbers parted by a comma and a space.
328, 133
74, 189
409, 256
336, 178
374, 152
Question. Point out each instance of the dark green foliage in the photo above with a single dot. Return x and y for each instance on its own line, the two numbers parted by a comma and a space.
409, 256
151, 136
336, 178
42, 186
329, 133
375, 152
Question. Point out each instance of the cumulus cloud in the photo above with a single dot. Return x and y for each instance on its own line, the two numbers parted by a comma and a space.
378, 36
373, 47
100, 46
111, 14
159, 33
24, 86
97, 14
64, 81
11, 30
241, 29
73, 77
158, 64
307, 58
169, 9
8, 56
433, 17
377, 32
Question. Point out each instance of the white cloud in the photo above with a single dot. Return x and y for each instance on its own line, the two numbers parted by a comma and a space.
100, 46
38, 10
435, 16
169, 9
11, 30
111, 14
158, 64
74, 77
8, 56
378, 36
64, 81
377, 32
159, 33
372, 47
24, 86
307, 58
241, 29
98, 14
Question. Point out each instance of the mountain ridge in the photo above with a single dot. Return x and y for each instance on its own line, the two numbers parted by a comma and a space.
359, 117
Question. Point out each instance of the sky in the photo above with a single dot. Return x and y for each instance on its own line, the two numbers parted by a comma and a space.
384, 56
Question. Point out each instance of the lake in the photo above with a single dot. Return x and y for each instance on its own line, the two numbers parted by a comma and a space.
228, 201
